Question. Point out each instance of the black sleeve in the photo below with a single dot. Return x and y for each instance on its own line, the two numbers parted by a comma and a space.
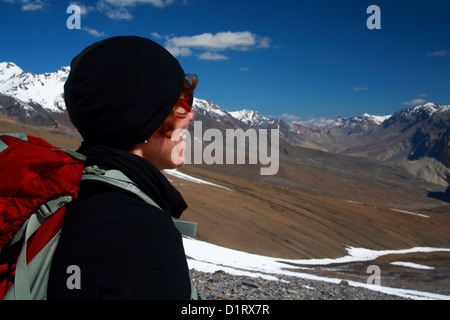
124, 248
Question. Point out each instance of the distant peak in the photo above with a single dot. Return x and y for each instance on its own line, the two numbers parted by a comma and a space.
9, 70
429, 108
64, 69
41, 89
9, 66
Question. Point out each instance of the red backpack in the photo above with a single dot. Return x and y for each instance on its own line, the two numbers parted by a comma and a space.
36, 181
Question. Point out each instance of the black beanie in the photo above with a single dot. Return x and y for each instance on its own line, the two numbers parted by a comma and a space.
121, 89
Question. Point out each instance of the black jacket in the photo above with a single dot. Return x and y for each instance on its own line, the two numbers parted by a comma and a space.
123, 247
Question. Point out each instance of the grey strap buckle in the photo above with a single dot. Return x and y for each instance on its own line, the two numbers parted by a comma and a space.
51, 206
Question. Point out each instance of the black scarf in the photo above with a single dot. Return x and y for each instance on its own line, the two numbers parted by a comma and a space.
147, 177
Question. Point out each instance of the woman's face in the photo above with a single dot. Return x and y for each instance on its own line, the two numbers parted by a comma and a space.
167, 151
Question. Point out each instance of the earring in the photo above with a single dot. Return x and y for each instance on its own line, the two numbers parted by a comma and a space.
146, 141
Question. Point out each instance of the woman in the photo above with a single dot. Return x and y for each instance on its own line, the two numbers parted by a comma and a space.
126, 96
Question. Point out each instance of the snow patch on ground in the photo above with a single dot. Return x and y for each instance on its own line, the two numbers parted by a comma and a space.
178, 174
207, 257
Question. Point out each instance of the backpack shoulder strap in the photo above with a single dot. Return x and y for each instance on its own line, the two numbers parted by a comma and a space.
116, 178
119, 179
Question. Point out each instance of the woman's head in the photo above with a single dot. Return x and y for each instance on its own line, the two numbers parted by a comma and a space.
121, 89
164, 148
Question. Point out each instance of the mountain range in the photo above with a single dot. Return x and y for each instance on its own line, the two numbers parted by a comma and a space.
415, 140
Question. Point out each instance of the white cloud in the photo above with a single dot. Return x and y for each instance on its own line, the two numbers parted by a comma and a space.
83, 9
438, 53
29, 5
118, 9
244, 69
210, 43
413, 102
289, 117
359, 89
220, 41
94, 32
315, 122
114, 13
212, 56
264, 42
179, 52
156, 35
129, 3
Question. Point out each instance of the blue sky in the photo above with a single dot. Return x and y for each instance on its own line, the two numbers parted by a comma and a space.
301, 59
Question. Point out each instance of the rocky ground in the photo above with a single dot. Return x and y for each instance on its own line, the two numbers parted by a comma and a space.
223, 286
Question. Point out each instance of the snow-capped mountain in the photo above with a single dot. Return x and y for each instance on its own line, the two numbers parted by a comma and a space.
210, 109
419, 133
419, 137
29, 88
362, 123
428, 108
426, 112
250, 117
354, 121
320, 123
